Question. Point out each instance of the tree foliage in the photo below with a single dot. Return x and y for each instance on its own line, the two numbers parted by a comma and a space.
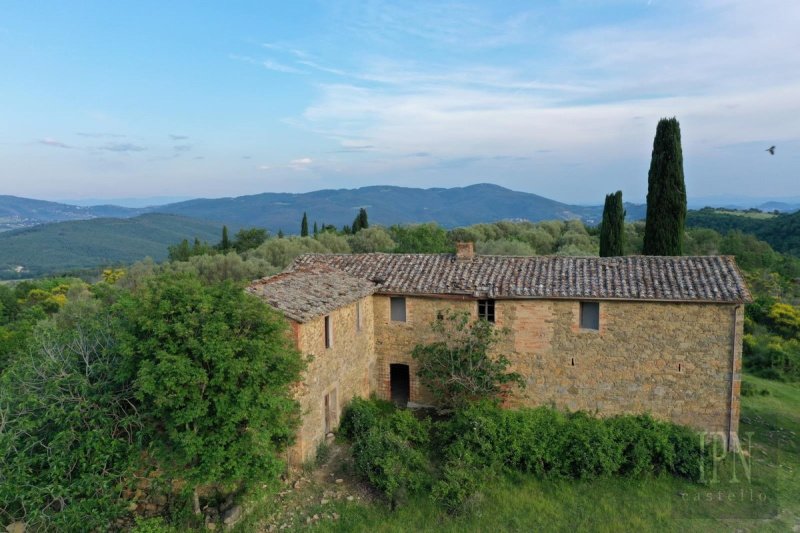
69, 429
214, 370
373, 239
224, 244
666, 192
459, 366
304, 226
421, 239
247, 239
361, 221
612, 229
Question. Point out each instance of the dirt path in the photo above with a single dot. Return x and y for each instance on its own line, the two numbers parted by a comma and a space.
309, 496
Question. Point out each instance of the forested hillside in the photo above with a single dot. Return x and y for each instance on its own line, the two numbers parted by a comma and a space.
782, 231
82, 244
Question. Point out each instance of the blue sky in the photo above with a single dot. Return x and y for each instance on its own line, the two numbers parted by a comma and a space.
116, 99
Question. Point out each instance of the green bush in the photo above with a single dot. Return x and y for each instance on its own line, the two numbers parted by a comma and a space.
360, 415
458, 482
389, 447
396, 452
390, 463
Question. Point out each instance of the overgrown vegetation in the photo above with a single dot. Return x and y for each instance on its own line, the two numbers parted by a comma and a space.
459, 367
450, 459
102, 384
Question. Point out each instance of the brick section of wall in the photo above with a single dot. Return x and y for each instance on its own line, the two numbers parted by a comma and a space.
344, 367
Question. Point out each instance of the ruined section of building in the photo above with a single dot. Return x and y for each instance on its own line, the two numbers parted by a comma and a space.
635, 334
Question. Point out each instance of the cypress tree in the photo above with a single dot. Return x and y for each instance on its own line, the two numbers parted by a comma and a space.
363, 222
304, 226
225, 243
612, 229
666, 192
280, 233
316, 229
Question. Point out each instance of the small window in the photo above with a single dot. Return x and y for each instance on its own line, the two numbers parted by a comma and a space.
398, 309
328, 332
358, 316
590, 315
486, 310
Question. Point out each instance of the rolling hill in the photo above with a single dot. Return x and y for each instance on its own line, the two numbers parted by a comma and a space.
459, 206
16, 212
80, 244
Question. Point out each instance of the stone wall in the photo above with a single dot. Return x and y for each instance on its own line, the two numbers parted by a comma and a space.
673, 360
344, 370
395, 340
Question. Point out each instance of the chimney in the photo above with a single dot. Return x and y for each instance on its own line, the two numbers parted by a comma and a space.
465, 251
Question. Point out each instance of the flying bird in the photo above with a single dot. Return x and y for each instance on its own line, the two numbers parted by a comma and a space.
771, 150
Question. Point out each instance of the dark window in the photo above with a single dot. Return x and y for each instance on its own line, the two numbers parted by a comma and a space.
590, 315
328, 332
486, 310
398, 309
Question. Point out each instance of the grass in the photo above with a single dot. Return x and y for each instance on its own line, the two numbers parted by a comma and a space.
523, 503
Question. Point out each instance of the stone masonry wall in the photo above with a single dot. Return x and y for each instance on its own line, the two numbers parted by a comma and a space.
395, 340
671, 360
344, 370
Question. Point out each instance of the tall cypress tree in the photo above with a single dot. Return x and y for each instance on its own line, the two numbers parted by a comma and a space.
225, 243
363, 221
612, 229
304, 226
316, 229
666, 192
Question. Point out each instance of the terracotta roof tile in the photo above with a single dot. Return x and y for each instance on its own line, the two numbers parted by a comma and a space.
314, 290
681, 279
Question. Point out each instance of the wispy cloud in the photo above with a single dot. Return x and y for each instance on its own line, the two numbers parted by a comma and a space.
48, 141
269, 64
101, 135
300, 163
122, 147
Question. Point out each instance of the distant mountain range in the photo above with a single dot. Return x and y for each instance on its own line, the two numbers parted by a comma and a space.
38, 237
386, 205
16, 212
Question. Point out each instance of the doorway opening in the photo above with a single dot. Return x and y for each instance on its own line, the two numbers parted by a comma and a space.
331, 411
400, 384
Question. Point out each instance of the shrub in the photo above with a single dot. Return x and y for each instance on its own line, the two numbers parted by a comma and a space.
389, 447
390, 463
458, 483
361, 415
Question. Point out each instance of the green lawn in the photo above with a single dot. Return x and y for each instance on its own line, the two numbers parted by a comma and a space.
523, 503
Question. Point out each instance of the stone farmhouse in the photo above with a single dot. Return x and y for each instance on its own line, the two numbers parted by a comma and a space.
631, 334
